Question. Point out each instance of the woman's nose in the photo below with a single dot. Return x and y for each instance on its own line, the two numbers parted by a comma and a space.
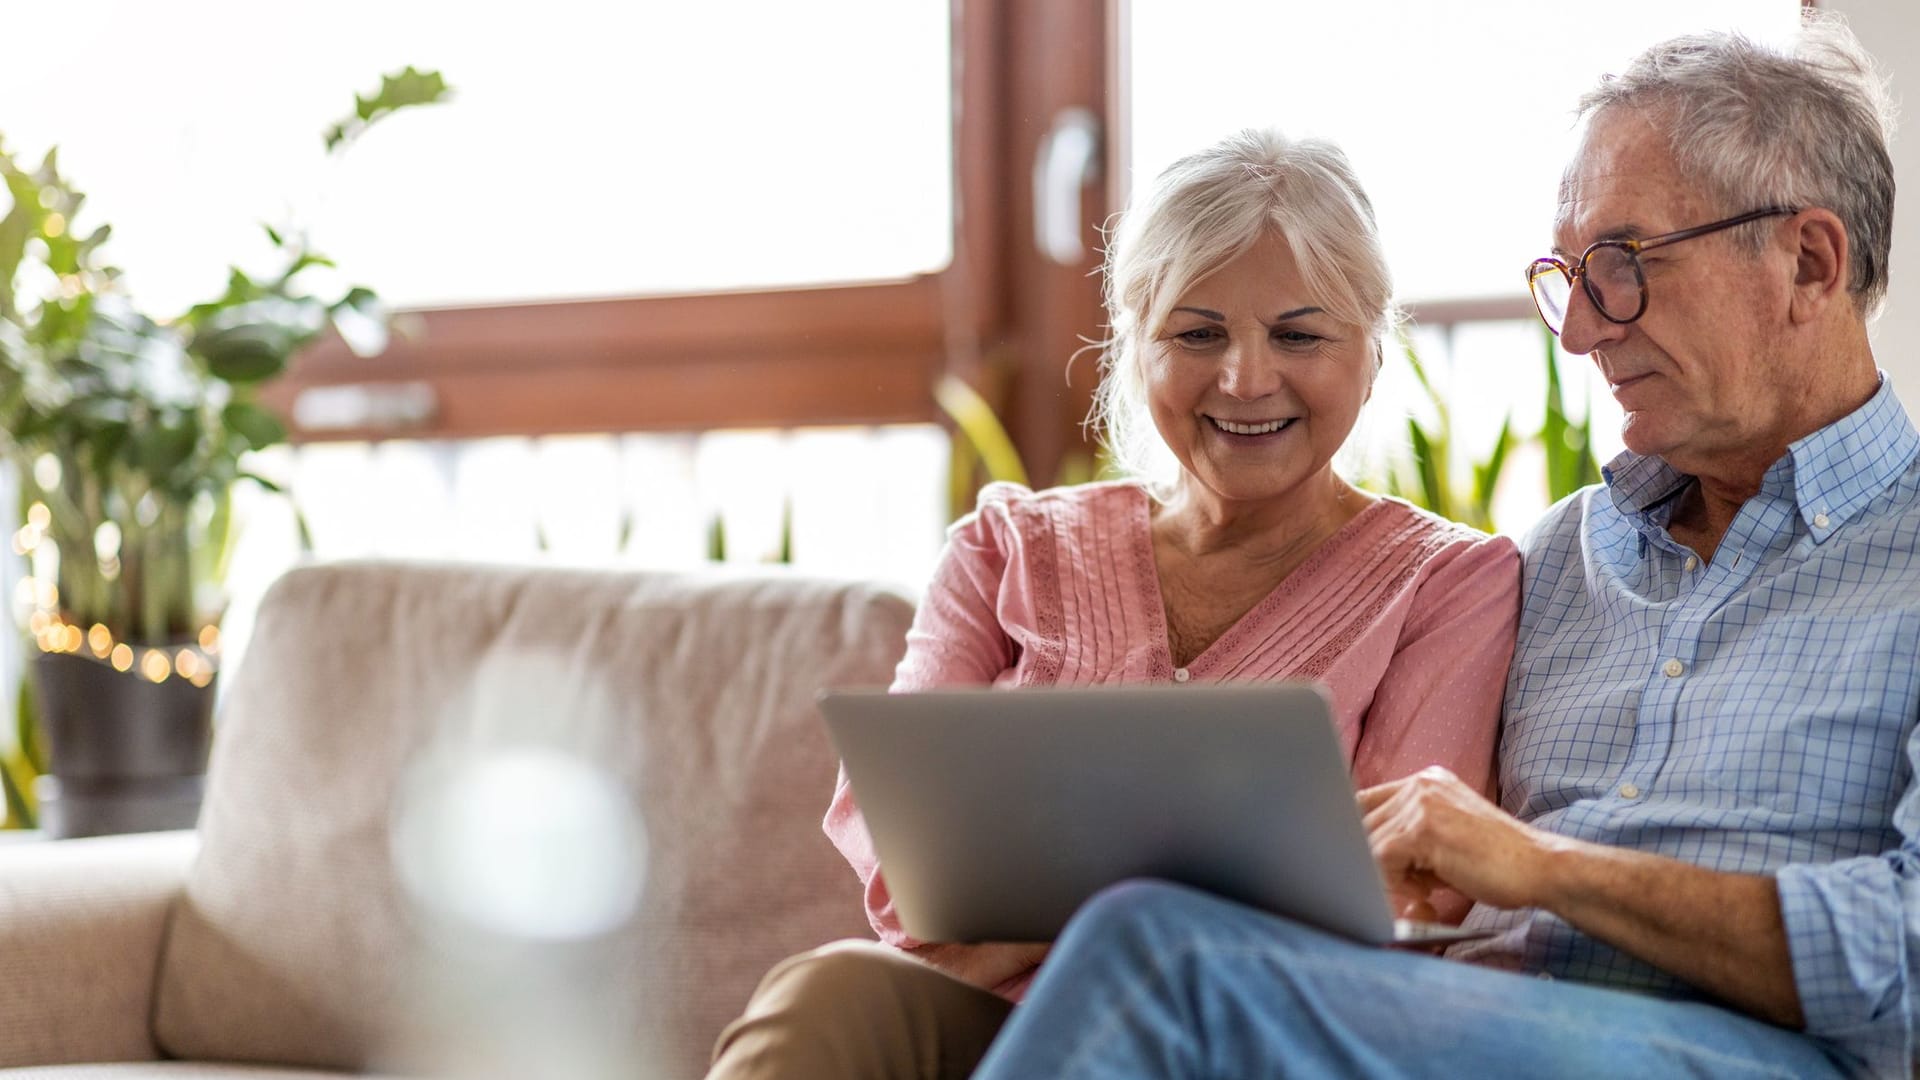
1248, 370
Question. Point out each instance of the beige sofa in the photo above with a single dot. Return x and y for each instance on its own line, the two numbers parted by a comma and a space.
280, 936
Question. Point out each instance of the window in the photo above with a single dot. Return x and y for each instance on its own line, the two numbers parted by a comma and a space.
591, 150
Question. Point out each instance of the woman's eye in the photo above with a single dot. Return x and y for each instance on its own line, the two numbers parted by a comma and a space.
1296, 337
1197, 336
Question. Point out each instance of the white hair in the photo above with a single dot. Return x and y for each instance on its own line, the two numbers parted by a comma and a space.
1802, 125
1201, 213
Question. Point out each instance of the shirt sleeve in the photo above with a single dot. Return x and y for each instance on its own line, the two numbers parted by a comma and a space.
1438, 701
1853, 931
956, 640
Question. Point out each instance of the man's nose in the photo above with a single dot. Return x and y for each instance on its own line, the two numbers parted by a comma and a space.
1585, 329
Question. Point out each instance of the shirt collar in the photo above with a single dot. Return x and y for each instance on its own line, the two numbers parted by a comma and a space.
1830, 474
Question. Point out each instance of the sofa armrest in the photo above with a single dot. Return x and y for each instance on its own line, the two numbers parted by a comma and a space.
81, 923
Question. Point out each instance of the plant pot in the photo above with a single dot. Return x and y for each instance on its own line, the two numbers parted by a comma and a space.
124, 754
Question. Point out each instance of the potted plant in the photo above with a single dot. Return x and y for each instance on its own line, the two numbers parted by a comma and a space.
128, 435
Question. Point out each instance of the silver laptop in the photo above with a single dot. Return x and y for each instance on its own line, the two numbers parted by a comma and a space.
996, 813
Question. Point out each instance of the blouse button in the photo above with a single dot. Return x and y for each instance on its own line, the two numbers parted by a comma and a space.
1181, 675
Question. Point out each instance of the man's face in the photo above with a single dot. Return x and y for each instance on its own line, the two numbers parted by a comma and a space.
1701, 374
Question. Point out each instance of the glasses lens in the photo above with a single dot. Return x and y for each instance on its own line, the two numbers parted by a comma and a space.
1552, 289
1613, 276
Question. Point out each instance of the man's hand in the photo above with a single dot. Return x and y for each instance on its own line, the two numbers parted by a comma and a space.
1721, 932
1431, 829
984, 966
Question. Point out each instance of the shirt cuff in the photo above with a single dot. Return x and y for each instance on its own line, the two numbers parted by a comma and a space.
1846, 934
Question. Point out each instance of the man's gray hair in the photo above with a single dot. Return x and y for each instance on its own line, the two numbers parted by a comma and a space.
1201, 213
1803, 125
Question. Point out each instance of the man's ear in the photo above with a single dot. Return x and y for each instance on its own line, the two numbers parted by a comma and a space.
1820, 249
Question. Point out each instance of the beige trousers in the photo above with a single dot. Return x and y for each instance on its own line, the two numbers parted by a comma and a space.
859, 1010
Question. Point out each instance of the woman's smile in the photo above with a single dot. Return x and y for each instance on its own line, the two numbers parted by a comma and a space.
1251, 431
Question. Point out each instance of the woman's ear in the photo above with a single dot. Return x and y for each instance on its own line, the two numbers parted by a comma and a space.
1820, 249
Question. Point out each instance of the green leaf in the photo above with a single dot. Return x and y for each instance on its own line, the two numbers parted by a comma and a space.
403, 89
161, 449
247, 353
361, 321
273, 234
266, 484
254, 424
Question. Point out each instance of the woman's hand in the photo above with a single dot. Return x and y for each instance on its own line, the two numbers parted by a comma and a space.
984, 966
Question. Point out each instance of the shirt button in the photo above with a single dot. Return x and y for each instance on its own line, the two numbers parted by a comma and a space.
1819, 521
1180, 674
1629, 791
1673, 669
1692, 564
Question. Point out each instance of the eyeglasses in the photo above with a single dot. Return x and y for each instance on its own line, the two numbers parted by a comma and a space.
1610, 272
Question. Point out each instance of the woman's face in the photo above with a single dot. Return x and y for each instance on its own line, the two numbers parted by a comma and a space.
1251, 383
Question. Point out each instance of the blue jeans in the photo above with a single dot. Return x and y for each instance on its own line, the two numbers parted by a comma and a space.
1157, 980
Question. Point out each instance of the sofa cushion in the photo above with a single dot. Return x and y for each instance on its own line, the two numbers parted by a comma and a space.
295, 942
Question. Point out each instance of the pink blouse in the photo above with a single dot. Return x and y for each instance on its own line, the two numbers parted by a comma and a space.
1406, 618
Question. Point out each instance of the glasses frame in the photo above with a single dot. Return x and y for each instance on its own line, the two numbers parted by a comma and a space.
1578, 273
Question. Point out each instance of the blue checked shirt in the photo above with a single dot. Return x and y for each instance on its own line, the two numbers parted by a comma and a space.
1754, 715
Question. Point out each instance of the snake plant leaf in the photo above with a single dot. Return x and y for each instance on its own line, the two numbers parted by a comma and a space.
18, 815
975, 420
1569, 446
258, 427
1419, 369
27, 741
1427, 462
1486, 474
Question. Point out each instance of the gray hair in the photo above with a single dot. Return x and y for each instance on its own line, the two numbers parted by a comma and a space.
1201, 213
1800, 126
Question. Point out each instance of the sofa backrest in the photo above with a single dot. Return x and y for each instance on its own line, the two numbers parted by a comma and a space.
296, 943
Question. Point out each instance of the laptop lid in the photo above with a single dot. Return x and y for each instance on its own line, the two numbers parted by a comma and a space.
997, 813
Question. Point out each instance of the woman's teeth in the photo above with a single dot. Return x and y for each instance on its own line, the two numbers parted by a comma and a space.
1250, 429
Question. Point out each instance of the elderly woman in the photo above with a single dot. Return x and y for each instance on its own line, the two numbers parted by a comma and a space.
1249, 300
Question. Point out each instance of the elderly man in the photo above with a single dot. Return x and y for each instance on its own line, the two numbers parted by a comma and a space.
1709, 846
